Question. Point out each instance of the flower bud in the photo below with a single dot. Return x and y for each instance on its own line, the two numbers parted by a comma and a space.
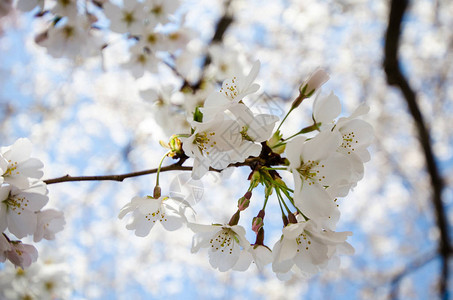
313, 82
243, 203
257, 223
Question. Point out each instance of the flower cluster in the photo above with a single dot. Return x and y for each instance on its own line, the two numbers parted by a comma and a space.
325, 159
22, 199
75, 29
43, 280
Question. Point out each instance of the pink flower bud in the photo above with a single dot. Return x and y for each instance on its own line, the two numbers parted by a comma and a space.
313, 82
243, 203
257, 224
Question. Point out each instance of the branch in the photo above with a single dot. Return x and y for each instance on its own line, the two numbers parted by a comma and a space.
411, 267
221, 27
396, 78
120, 177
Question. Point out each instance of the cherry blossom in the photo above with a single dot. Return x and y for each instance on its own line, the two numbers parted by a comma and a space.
210, 143
161, 9
22, 255
71, 38
224, 243
18, 207
315, 165
233, 90
126, 19
49, 222
141, 61
20, 167
146, 211
307, 246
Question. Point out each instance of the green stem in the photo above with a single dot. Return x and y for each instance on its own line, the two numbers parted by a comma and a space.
313, 127
292, 108
265, 201
277, 190
160, 166
275, 169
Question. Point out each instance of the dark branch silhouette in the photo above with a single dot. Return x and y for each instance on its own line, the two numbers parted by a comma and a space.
395, 77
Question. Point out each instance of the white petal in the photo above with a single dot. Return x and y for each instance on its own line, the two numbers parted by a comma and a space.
326, 109
244, 261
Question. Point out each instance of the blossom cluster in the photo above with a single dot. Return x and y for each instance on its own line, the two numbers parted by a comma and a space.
46, 279
325, 159
78, 29
23, 196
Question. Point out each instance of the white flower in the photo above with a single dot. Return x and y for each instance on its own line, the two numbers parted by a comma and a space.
210, 143
129, 18
18, 207
179, 39
141, 61
151, 39
224, 243
19, 166
42, 280
49, 222
72, 39
232, 91
316, 168
146, 211
307, 246
259, 254
22, 255
226, 62
161, 9
357, 134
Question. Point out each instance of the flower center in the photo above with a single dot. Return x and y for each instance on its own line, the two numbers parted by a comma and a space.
230, 89
11, 169
205, 141
17, 204
223, 241
349, 141
308, 171
303, 241
128, 17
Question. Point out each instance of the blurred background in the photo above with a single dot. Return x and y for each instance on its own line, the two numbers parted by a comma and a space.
98, 114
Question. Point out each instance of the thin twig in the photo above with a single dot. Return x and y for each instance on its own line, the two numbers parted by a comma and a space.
411, 267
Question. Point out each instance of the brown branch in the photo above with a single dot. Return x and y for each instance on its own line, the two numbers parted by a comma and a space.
120, 177
411, 267
395, 77
221, 27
